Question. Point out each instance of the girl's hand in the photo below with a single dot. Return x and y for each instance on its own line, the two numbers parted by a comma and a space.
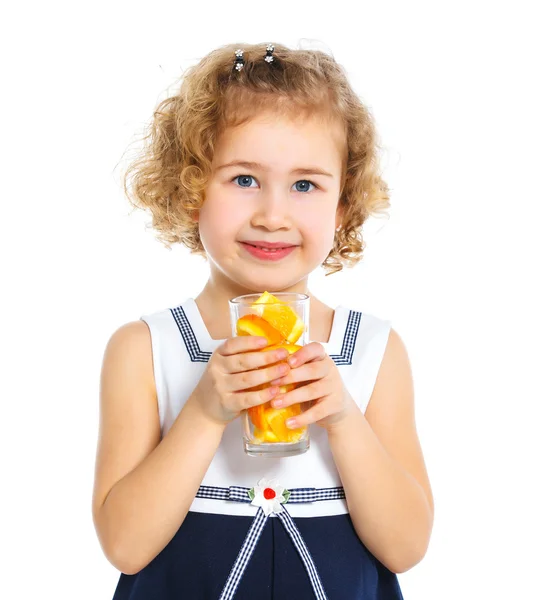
236, 366
332, 402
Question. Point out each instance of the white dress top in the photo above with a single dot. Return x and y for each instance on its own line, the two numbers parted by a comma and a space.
182, 346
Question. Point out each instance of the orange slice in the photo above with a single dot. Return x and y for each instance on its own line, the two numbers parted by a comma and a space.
280, 316
295, 434
257, 416
265, 436
276, 417
257, 413
254, 325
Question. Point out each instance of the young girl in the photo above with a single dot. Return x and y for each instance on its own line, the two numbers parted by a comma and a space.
265, 162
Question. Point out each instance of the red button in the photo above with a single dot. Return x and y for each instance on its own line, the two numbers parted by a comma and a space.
269, 493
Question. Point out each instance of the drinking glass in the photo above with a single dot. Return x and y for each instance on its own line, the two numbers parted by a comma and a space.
264, 429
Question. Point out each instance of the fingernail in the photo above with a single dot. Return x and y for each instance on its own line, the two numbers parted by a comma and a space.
262, 341
291, 423
277, 403
292, 361
274, 390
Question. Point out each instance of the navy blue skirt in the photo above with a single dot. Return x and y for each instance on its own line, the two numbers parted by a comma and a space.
197, 561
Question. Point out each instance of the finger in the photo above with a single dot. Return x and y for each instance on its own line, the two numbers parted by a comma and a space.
318, 411
311, 351
249, 361
258, 377
247, 398
305, 393
308, 372
242, 343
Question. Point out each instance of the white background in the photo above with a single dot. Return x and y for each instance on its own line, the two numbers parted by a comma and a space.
464, 98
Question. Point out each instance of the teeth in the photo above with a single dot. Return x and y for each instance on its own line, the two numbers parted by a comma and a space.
265, 249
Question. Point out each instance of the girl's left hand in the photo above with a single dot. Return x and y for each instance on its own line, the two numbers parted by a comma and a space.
333, 403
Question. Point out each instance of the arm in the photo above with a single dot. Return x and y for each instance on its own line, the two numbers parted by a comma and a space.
144, 486
382, 469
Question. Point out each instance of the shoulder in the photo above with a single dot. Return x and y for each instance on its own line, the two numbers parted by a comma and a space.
128, 351
394, 389
129, 334
396, 354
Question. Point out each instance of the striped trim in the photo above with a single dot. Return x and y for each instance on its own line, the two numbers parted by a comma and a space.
349, 341
244, 555
238, 493
303, 551
198, 355
188, 335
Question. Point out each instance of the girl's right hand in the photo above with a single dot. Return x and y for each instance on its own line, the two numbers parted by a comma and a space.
235, 367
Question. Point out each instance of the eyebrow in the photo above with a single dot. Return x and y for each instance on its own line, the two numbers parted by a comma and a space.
255, 165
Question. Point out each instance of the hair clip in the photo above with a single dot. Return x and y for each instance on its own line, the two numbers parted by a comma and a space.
239, 60
269, 56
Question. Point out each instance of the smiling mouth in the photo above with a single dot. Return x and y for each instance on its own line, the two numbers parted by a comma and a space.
270, 245
275, 253
269, 250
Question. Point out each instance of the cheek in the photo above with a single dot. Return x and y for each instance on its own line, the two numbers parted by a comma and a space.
319, 227
218, 221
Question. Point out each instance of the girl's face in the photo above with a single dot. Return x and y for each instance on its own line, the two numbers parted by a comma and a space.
284, 195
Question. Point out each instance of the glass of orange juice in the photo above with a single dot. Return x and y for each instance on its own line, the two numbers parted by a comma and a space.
282, 318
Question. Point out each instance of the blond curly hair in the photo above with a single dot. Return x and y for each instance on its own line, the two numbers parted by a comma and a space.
169, 175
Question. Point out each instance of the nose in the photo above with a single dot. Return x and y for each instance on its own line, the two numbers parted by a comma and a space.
272, 210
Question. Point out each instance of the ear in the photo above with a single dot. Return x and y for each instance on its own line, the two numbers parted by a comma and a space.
339, 217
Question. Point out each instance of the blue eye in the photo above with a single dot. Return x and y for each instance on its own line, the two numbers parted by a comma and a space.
243, 178
305, 182
246, 179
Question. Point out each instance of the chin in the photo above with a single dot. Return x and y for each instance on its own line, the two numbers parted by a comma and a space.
266, 283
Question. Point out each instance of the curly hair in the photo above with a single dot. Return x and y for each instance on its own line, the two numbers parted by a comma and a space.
169, 176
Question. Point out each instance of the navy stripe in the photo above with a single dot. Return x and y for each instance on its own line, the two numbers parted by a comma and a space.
304, 553
188, 335
349, 341
244, 555
197, 355
297, 495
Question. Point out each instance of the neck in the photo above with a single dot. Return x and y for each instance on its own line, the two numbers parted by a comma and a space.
217, 292
213, 299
